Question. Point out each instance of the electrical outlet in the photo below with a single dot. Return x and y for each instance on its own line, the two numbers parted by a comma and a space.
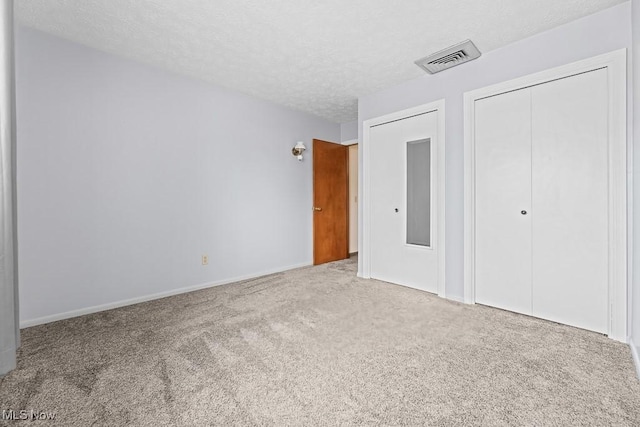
205, 259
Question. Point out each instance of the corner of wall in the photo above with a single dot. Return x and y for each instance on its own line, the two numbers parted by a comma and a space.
7, 361
348, 131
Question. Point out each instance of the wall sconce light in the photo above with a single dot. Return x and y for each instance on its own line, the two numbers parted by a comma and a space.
298, 150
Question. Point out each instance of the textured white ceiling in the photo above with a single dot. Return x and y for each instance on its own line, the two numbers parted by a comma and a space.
314, 56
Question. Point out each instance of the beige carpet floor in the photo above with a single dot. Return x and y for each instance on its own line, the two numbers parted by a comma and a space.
318, 346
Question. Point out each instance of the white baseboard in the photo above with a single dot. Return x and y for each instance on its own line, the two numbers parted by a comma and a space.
636, 357
103, 307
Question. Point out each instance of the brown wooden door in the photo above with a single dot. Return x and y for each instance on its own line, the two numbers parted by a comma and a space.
330, 202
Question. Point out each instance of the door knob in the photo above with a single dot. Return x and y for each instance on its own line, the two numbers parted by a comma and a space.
523, 212
396, 209
317, 209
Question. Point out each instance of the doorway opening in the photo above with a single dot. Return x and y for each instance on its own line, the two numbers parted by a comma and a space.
353, 199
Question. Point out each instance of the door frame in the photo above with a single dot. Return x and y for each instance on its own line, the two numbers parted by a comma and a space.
619, 189
436, 106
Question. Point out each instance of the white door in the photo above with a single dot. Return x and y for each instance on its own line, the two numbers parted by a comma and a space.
403, 163
542, 200
503, 201
570, 205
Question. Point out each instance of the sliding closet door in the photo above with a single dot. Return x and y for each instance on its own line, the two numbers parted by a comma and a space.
569, 193
503, 201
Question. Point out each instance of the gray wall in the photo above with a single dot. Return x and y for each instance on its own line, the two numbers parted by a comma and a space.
596, 34
349, 131
128, 174
635, 324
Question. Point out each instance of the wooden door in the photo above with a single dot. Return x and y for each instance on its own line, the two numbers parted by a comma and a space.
330, 202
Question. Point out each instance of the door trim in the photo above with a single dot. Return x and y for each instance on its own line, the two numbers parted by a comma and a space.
365, 253
619, 189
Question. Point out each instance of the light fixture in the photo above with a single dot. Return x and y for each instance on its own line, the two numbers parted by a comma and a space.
298, 150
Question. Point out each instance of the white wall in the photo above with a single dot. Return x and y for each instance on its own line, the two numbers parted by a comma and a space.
128, 174
596, 34
349, 131
635, 291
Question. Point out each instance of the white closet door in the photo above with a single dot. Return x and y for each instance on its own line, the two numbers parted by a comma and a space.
403, 213
569, 193
503, 201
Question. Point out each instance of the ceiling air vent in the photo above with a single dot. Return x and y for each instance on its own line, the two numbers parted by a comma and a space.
449, 57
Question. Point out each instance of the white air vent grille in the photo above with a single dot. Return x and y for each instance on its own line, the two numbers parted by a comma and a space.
449, 57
